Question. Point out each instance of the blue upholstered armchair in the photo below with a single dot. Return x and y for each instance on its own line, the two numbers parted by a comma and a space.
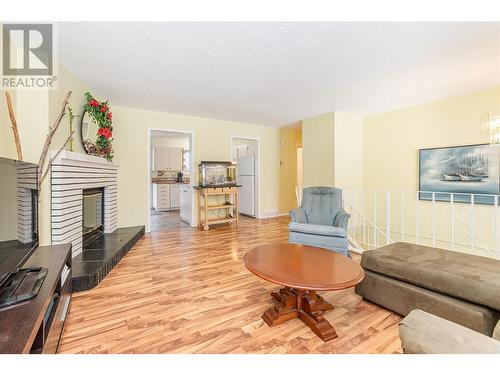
320, 220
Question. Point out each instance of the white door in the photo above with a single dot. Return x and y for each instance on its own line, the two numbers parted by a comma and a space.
246, 195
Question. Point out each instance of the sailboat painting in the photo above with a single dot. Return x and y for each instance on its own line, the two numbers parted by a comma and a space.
461, 171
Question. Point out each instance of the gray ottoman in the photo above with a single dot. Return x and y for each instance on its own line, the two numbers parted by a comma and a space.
424, 333
462, 288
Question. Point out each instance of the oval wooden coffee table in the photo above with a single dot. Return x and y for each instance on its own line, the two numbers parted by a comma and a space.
302, 270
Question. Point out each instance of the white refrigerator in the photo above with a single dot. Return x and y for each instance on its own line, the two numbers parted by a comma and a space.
246, 178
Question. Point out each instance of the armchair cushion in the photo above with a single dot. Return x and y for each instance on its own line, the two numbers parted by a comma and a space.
321, 230
321, 203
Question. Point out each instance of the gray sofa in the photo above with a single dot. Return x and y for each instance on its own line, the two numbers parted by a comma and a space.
461, 288
424, 333
320, 220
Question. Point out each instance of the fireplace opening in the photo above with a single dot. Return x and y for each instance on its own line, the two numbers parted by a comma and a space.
93, 215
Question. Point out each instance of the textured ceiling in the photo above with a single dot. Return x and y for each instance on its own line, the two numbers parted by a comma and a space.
278, 73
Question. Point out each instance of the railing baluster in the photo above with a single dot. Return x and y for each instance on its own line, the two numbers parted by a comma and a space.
452, 214
417, 224
402, 216
375, 218
363, 197
388, 218
354, 213
497, 231
472, 226
433, 219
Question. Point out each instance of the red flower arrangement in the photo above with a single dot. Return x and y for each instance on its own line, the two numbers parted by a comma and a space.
100, 114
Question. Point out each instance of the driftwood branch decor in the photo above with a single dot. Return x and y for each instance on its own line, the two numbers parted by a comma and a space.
14, 126
42, 172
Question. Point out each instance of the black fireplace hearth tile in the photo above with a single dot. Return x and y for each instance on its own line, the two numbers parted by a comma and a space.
99, 257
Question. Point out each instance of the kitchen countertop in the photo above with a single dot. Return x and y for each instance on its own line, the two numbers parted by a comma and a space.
166, 181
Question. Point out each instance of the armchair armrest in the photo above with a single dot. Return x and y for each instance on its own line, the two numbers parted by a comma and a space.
298, 215
341, 219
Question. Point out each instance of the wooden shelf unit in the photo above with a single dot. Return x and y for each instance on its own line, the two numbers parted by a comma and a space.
204, 206
32, 326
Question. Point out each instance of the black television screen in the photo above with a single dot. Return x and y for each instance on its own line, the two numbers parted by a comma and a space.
18, 215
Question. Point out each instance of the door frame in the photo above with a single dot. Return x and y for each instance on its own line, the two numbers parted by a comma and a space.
257, 171
192, 172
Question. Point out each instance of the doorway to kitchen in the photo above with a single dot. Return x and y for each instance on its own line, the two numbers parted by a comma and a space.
246, 153
170, 170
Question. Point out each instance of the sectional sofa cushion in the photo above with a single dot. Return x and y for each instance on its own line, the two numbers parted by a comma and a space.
468, 277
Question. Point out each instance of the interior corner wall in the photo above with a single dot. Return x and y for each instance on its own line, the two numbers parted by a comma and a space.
318, 150
348, 147
288, 169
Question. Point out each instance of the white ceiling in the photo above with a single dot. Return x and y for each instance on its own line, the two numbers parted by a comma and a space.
278, 73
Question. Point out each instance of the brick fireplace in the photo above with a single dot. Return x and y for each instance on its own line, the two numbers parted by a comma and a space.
72, 174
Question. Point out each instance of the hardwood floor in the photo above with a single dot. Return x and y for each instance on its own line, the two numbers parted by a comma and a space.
187, 291
161, 220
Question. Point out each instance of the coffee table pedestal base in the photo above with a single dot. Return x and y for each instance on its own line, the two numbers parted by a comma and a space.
305, 305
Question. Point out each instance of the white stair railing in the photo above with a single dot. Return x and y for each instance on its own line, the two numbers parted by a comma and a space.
456, 221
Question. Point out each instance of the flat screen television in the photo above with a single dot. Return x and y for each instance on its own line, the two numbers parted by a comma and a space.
18, 215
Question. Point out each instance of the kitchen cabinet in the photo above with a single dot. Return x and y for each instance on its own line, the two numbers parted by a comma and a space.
175, 158
161, 197
168, 159
166, 197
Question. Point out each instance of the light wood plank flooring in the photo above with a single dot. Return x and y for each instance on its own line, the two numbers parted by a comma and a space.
161, 220
187, 291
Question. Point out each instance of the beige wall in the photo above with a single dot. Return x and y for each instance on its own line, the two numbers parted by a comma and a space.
35, 111
333, 150
288, 169
211, 140
7, 145
392, 139
8, 201
318, 153
348, 149
391, 144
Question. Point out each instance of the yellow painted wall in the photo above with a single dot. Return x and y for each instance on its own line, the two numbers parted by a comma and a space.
348, 150
391, 144
333, 150
288, 169
35, 110
212, 141
318, 153
392, 139
7, 145
8, 201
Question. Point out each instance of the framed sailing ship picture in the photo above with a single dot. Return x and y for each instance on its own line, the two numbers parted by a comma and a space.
468, 172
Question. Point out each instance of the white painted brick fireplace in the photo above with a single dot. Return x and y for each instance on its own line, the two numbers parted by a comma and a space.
71, 173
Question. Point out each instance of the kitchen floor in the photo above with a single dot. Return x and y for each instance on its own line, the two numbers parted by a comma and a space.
161, 220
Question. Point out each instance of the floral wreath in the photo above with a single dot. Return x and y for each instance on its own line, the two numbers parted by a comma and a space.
102, 116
